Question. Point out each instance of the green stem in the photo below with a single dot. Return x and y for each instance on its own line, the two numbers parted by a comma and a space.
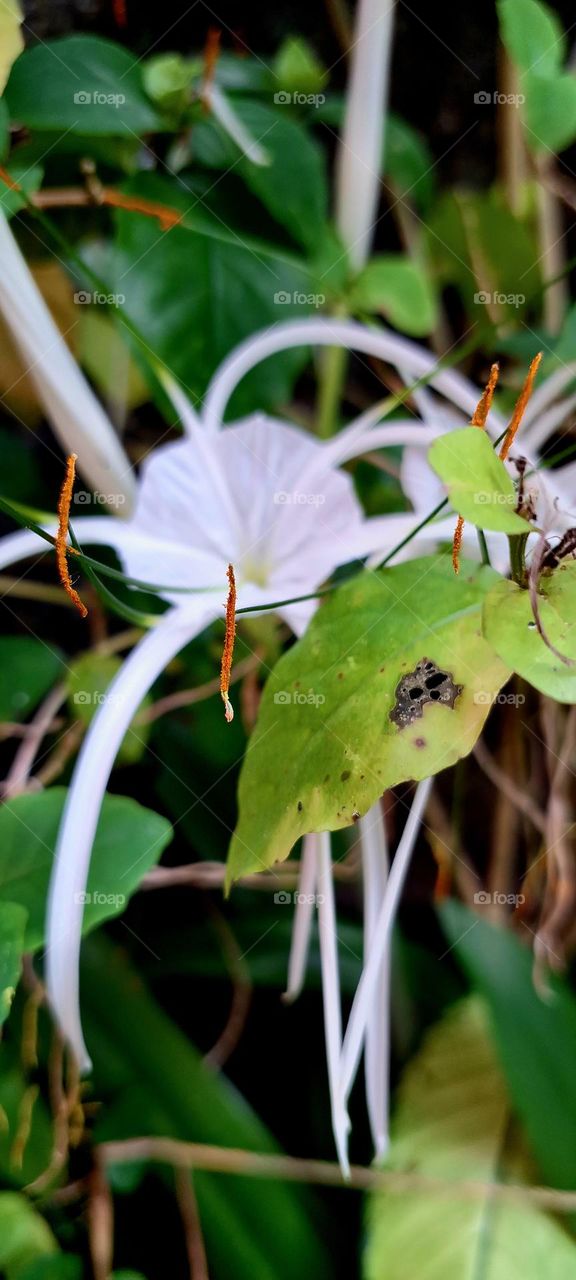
517, 544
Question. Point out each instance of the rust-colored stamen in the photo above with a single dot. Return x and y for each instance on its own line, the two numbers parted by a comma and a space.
211, 55
62, 550
479, 418
519, 408
228, 651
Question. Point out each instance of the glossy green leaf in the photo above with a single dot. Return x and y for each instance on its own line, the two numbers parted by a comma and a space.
24, 1235
194, 294
89, 85
129, 840
536, 1038
479, 486
398, 289
57, 1266
88, 681
167, 79
451, 1124
39, 1146
408, 162
325, 746
28, 669
509, 627
296, 67
533, 35
13, 919
550, 111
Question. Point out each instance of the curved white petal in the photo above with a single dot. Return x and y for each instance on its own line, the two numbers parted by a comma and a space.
359, 152
363, 1003
303, 917
189, 419
374, 850
226, 116
419, 482
76, 415
331, 995
84, 801
340, 333
534, 435
547, 392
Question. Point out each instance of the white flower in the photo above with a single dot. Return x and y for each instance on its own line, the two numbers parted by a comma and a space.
76, 415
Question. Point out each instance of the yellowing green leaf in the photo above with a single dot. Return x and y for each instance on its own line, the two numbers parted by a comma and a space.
325, 746
11, 40
478, 483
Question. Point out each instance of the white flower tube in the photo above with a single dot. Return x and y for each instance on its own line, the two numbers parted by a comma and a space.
77, 417
359, 156
377, 1050
331, 995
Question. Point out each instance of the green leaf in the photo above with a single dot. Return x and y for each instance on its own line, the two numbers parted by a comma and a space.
293, 185
408, 162
297, 69
129, 840
400, 290
14, 1094
58, 1266
89, 86
13, 919
194, 294
533, 35
167, 78
24, 1235
11, 38
28, 178
536, 1038
451, 1124
28, 669
88, 679
479, 486
325, 746
550, 112
509, 627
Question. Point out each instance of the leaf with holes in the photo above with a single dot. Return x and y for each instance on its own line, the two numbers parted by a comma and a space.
509, 627
478, 483
330, 735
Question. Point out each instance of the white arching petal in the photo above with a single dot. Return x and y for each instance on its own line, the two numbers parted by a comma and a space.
331, 994
84, 802
303, 917
533, 436
548, 390
419, 482
374, 851
364, 999
224, 113
182, 404
76, 415
339, 333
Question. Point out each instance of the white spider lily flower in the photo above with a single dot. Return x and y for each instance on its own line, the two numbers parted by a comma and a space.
359, 154
77, 417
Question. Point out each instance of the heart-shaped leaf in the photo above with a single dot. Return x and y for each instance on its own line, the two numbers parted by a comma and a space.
336, 724
478, 483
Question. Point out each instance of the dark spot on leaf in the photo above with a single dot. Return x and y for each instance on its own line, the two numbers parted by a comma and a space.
300, 806
419, 742
356, 816
327, 778
340, 675
426, 683
345, 775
